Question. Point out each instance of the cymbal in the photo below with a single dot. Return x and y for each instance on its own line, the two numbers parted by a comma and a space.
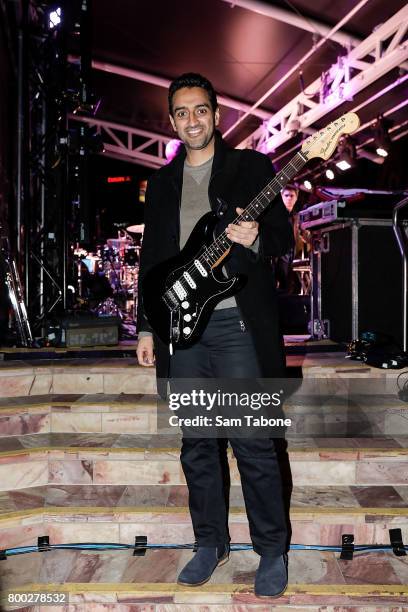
136, 229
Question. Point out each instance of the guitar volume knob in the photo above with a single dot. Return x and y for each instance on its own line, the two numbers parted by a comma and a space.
185, 304
187, 318
186, 330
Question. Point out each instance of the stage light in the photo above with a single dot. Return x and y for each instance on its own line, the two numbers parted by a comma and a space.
293, 127
343, 164
54, 18
172, 148
330, 174
381, 137
346, 153
381, 152
308, 185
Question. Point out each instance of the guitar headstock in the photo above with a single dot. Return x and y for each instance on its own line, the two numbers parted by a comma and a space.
324, 142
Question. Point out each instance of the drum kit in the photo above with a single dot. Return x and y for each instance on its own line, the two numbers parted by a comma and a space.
108, 277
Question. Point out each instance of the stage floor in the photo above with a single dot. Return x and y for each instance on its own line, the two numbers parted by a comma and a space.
294, 344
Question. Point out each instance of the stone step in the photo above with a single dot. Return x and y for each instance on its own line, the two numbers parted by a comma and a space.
363, 415
124, 375
110, 376
318, 581
117, 513
97, 459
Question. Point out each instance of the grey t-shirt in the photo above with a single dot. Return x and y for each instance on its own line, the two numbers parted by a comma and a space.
194, 204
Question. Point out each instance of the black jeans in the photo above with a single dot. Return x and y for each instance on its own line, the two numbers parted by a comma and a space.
226, 351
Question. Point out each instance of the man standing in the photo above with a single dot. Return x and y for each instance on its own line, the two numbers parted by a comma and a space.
287, 280
242, 338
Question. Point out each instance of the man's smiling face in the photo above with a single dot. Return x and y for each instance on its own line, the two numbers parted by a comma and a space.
193, 118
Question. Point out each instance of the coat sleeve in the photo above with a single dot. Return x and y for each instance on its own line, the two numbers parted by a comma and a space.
275, 229
149, 250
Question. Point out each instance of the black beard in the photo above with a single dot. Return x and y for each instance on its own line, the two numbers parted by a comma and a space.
203, 145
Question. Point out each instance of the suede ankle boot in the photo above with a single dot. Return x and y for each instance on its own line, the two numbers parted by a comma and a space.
271, 578
200, 568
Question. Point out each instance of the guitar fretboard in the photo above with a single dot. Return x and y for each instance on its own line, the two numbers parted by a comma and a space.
218, 248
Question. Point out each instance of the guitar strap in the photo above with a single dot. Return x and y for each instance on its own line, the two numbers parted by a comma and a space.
230, 169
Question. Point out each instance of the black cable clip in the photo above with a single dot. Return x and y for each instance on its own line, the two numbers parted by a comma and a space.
3, 555
140, 546
397, 544
43, 543
347, 547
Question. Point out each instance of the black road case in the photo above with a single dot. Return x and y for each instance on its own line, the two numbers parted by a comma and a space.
356, 280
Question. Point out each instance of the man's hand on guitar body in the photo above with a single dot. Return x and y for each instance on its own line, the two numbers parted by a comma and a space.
245, 233
145, 351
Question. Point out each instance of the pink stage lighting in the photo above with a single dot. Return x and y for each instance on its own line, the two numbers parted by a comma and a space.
172, 148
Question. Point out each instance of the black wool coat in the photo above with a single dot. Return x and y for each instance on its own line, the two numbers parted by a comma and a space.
237, 176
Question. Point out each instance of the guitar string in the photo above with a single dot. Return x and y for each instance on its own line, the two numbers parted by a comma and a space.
255, 206
297, 162
211, 253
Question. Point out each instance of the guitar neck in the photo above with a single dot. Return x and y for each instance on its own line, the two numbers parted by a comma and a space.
219, 248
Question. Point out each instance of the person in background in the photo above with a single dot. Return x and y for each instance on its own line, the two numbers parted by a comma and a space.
290, 196
287, 280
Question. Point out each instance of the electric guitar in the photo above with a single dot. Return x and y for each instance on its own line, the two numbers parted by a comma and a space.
180, 294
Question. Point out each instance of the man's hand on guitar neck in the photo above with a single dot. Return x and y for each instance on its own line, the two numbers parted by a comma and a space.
145, 351
245, 233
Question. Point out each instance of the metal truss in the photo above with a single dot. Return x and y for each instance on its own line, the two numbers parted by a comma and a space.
51, 179
306, 23
314, 26
130, 144
159, 81
40, 167
383, 50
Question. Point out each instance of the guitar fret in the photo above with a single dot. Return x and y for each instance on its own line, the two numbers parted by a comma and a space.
260, 202
293, 166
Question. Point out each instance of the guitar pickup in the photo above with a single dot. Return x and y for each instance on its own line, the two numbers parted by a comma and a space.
190, 281
179, 290
200, 268
170, 300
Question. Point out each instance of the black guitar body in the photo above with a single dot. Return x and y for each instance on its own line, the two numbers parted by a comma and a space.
179, 295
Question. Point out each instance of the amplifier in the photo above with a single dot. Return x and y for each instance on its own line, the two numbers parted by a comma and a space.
362, 204
320, 214
84, 330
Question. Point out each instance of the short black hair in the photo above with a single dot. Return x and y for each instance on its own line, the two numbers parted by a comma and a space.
291, 188
192, 79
